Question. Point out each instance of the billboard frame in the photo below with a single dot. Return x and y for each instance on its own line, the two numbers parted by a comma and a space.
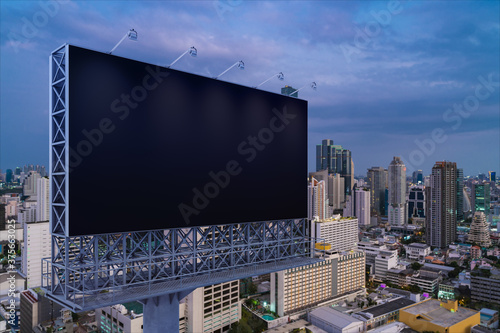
85, 272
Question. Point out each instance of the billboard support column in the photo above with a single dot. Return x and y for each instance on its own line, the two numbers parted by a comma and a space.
161, 313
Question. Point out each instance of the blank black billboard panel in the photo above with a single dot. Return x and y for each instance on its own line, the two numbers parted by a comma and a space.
156, 148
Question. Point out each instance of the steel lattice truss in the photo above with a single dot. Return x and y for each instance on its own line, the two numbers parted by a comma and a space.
86, 272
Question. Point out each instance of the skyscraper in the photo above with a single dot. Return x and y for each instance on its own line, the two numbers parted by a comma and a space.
480, 196
362, 206
460, 194
317, 201
377, 180
493, 176
335, 159
397, 192
8, 176
287, 90
441, 223
416, 202
417, 177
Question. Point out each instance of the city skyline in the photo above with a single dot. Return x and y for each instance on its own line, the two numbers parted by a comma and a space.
388, 91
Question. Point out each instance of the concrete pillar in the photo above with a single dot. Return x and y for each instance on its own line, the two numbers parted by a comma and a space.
161, 313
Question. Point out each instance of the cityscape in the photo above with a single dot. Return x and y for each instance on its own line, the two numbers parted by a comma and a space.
365, 199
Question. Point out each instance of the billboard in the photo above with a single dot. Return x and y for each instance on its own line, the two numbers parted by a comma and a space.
156, 148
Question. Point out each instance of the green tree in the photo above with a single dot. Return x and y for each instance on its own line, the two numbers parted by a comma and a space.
416, 266
252, 288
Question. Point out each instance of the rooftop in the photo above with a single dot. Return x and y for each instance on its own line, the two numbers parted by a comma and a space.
329, 314
382, 309
433, 311
420, 245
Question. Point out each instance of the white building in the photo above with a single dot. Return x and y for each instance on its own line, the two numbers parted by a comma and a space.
358, 205
340, 233
36, 246
317, 201
213, 308
417, 251
30, 184
385, 260
333, 321
339, 276
397, 192
120, 318
43, 203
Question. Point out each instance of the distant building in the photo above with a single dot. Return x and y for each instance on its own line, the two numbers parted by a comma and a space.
417, 251
9, 176
460, 194
36, 246
397, 192
385, 260
333, 321
340, 275
35, 308
334, 188
317, 201
337, 160
416, 202
377, 181
441, 222
417, 177
287, 90
480, 197
213, 308
362, 206
493, 176
121, 318
43, 202
435, 316
479, 232
340, 233
486, 288
383, 314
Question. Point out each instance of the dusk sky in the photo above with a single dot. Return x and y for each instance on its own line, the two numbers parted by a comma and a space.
416, 79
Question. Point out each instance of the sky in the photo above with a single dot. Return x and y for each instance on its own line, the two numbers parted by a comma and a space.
416, 79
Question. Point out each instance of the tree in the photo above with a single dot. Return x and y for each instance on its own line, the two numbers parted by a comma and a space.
252, 288
416, 266
454, 264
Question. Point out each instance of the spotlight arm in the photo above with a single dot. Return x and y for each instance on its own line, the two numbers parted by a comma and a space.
192, 50
312, 84
128, 34
279, 75
240, 64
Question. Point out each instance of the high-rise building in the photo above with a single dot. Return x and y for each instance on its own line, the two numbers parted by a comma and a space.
43, 204
397, 192
361, 208
317, 201
340, 233
336, 160
460, 194
441, 223
480, 197
8, 176
416, 202
340, 275
35, 308
30, 184
213, 308
36, 237
287, 90
493, 176
417, 177
334, 184
3, 218
479, 230
377, 180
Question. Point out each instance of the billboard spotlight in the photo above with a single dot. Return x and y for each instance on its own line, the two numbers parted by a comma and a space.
131, 34
192, 51
312, 85
280, 77
240, 64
